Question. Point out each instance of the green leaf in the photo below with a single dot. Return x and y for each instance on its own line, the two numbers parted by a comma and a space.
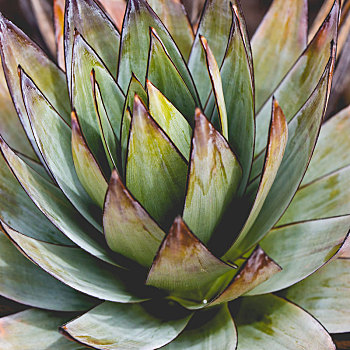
215, 78
120, 326
215, 26
270, 322
18, 50
139, 17
155, 170
84, 61
26, 283
53, 137
325, 197
238, 86
302, 135
170, 120
87, 17
325, 295
35, 329
207, 329
88, 171
184, 267
258, 268
55, 206
278, 136
173, 15
302, 248
163, 73
293, 92
277, 43
76, 268
331, 151
128, 228
35, 225
214, 177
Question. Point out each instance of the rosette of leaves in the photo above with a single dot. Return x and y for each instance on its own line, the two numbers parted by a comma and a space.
157, 184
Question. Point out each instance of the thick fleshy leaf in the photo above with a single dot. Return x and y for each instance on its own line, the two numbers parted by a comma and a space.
277, 43
173, 15
278, 136
119, 326
53, 137
155, 169
17, 49
325, 295
76, 268
238, 86
302, 135
24, 282
214, 177
170, 120
302, 248
35, 329
270, 322
207, 329
94, 25
258, 268
107, 134
128, 228
215, 26
84, 61
325, 197
184, 267
51, 201
163, 73
88, 171
139, 18
116, 10
58, 18
331, 151
215, 78
298, 84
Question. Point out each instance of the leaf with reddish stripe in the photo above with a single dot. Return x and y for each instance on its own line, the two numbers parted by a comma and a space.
58, 18
116, 9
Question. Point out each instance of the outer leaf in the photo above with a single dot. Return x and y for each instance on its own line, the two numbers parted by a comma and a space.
270, 322
139, 18
76, 268
184, 267
303, 131
50, 200
17, 49
278, 136
207, 329
328, 196
164, 74
155, 168
258, 268
53, 135
84, 60
87, 17
214, 177
117, 326
215, 26
170, 120
34, 329
88, 171
293, 91
116, 9
216, 82
173, 15
128, 228
331, 149
324, 295
26, 283
277, 43
301, 249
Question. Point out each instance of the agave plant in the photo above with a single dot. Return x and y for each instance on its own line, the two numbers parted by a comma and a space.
157, 183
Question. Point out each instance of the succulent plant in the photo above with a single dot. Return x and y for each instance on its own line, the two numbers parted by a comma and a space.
157, 183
